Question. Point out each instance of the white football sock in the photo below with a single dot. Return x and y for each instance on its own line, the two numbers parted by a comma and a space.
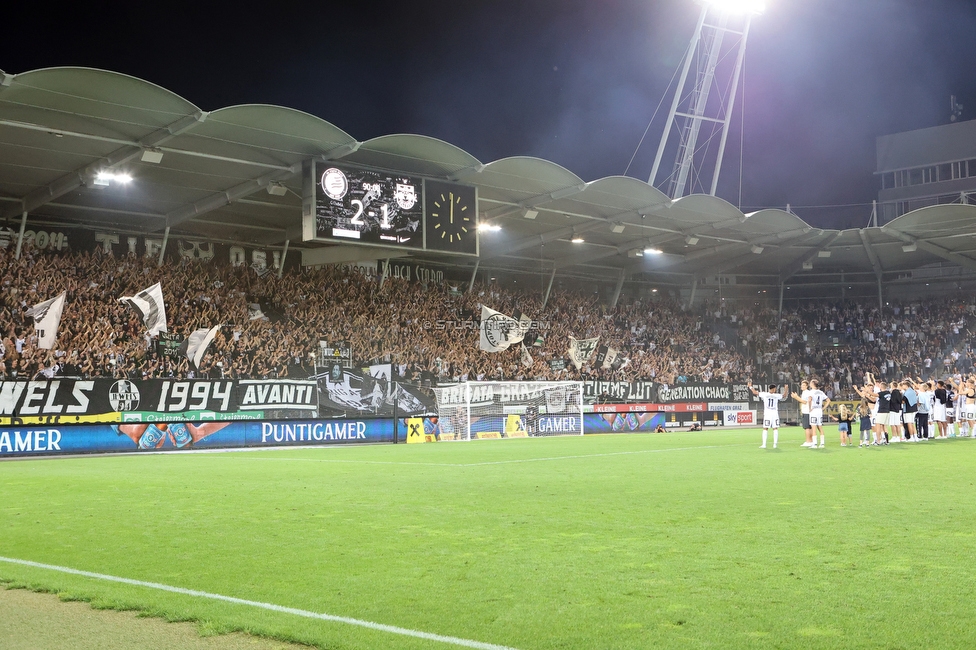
775, 437
764, 437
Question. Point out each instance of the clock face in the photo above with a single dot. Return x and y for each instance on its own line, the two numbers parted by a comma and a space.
452, 219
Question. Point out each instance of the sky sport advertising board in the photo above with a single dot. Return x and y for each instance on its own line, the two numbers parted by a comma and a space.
53, 440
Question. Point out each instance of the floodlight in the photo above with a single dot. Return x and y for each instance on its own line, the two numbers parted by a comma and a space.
910, 248
823, 253
577, 239
103, 178
808, 266
277, 189
154, 156
617, 228
488, 227
738, 7
530, 214
652, 251
757, 249
691, 241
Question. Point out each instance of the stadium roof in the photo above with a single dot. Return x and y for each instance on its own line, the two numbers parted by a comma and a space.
59, 127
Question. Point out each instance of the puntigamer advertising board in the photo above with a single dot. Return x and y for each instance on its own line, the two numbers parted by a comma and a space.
55, 439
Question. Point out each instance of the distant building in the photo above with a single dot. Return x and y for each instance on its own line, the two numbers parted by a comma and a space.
926, 167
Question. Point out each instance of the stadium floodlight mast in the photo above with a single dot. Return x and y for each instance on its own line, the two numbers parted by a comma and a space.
692, 110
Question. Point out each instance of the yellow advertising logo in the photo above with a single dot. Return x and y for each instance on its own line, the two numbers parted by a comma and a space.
489, 435
415, 430
514, 425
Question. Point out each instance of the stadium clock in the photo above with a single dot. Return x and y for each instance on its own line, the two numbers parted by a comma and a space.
452, 218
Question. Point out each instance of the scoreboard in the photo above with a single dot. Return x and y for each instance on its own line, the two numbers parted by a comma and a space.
381, 208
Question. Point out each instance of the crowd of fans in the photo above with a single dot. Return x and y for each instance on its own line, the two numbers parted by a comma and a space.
431, 331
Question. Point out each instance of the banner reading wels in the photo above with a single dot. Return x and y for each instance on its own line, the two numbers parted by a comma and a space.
75, 401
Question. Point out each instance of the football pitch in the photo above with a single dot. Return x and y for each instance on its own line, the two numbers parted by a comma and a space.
681, 540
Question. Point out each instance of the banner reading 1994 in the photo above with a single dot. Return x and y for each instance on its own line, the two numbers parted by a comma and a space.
80, 401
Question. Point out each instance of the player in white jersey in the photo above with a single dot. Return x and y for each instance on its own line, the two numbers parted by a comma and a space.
818, 401
770, 400
803, 399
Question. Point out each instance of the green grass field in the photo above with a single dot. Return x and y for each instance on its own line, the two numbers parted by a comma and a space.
684, 540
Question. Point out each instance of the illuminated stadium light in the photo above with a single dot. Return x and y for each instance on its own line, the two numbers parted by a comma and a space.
909, 248
652, 251
488, 227
577, 239
738, 7
104, 178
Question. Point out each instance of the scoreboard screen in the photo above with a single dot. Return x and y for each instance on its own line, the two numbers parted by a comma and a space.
368, 207
381, 208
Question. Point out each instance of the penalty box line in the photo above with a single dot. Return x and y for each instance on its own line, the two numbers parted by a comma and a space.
381, 627
491, 462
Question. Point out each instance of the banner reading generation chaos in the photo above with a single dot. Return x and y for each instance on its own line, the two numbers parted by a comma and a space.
80, 401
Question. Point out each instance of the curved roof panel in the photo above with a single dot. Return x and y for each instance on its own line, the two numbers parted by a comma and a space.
59, 126
414, 154
97, 102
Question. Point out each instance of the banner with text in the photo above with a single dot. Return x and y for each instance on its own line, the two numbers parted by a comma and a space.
80, 439
77, 401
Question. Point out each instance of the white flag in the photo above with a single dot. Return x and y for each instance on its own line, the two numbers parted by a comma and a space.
527, 359
254, 312
47, 317
498, 331
605, 357
524, 324
580, 350
195, 346
148, 303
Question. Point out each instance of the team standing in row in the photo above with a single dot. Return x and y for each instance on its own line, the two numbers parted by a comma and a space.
889, 412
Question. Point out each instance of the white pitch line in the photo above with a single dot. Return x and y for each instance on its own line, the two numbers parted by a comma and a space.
392, 629
492, 462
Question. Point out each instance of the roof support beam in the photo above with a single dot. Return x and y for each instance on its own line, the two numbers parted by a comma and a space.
797, 265
247, 188
872, 256
546, 237
653, 241
220, 199
122, 155
935, 249
538, 200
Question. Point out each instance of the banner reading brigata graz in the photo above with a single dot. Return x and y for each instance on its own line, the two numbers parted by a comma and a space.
653, 392
74, 401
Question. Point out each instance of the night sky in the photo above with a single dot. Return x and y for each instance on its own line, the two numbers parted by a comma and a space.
571, 81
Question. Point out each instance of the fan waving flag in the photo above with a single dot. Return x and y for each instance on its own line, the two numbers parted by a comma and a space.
527, 359
524, 324
580, 350
606, 357
498, 331
195, 346
148, 303
47, 317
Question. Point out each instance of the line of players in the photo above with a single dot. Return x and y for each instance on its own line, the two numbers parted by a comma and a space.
890, 412
903, 411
